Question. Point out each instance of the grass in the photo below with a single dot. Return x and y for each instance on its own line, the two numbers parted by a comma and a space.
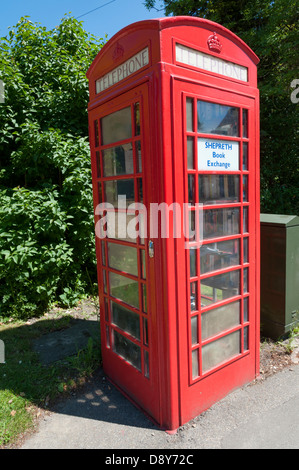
27, 385
289, 342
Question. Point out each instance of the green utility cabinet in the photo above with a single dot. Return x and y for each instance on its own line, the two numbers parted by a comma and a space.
279, 274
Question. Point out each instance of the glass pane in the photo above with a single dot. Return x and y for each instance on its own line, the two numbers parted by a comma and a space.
138, 156
123, 258
195, 364
245, 188
125, 320
190, 153
221, 222
220, 319
246, 330
220, 255
115, 188
144, 298
220, 350
245, 250
143, 264
217, 119
146, 363
145, 332
140, 190
124, 289
98, 161
106, 309
120, 226
221, 287
245, 123
218, 189
193, 296
193, 257
118, 160
132, 225
101, 226
126, 349
192, 225
116, 126
189, 114
105, 281
245, 280
96, 134
137, 118
194, 330
245, 312
191, 189
107, 337
100, 193
245, 219
103, 254
245, 156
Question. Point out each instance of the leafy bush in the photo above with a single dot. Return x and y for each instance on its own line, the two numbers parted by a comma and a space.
46, 212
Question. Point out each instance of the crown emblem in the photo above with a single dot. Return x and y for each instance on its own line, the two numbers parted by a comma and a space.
214, 43
118, 52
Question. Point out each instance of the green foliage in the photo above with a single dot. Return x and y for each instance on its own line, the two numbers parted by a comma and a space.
46, 211
270, 29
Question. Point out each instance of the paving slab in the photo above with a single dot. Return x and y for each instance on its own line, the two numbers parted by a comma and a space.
57, 345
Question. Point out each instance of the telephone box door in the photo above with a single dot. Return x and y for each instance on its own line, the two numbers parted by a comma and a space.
120, 159
218, 343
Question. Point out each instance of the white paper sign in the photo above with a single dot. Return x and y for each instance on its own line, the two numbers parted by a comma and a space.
218, 155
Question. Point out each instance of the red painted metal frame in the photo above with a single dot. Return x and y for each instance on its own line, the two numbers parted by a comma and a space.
162, 86
199, 393
143, 389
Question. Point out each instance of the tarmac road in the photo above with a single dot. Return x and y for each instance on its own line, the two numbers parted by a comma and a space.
261, 415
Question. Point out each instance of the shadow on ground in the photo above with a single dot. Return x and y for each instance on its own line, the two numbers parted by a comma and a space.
101, 401
40, 358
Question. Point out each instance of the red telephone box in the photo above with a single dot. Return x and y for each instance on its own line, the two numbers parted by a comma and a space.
174, 138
